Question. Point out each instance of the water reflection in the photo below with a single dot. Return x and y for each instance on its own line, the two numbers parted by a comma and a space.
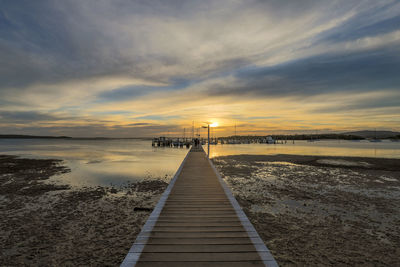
105, 162
384, 149
101, 162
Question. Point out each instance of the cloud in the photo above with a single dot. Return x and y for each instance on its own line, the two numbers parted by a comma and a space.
362, 71
124, 93
134, 91
116, 62
139, 124
73, 40
97, 130
158, 117
25, 116
365, 102
383, 17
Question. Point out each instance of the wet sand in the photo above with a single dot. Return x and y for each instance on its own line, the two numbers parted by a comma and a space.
44, 224
320, 211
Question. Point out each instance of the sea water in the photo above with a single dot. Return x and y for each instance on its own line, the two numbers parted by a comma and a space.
119, 161
363, 148
101, 162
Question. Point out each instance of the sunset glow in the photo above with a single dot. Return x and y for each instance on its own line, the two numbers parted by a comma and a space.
146, 69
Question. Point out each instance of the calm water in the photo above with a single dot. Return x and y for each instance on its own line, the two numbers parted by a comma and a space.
105, 162
101, 162
384, 149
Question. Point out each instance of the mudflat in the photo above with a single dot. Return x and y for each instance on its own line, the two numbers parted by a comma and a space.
320, 211
45, 224
309, 210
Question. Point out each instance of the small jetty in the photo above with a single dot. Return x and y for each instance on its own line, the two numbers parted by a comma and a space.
171, 142
197, 222
187, 142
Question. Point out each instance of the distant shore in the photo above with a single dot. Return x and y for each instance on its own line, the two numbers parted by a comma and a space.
19, 136
358, 135
317, 210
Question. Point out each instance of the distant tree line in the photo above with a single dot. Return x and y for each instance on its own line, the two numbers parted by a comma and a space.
304, 137
21, 136
296, 137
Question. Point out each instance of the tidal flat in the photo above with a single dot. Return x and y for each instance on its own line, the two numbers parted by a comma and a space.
320, 211
309, 210
47, 224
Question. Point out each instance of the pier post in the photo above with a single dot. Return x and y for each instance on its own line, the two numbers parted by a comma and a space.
208, 144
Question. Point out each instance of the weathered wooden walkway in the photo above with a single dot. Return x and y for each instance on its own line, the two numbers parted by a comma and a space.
198, 222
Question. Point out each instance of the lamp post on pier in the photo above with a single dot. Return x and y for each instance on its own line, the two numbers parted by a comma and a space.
208, 139
209, 124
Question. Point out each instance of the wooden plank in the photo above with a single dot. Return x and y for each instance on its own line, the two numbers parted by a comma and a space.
168, 216
205, 241
198, 219
200, 264
193, 228
184, 209
195, 224
200, 256
199, 234
200, 248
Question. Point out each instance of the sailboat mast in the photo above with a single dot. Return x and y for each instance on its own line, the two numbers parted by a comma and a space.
235, 129
192, 129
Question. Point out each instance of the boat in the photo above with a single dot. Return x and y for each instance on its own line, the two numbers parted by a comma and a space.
270, 140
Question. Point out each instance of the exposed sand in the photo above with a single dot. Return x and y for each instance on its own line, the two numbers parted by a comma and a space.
320, 211
54, 225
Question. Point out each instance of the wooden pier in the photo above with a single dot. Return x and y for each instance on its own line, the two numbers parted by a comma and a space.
197, 222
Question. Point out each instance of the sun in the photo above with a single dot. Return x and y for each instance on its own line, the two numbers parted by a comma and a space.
214, 124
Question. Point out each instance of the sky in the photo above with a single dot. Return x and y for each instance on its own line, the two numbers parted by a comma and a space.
128, 68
